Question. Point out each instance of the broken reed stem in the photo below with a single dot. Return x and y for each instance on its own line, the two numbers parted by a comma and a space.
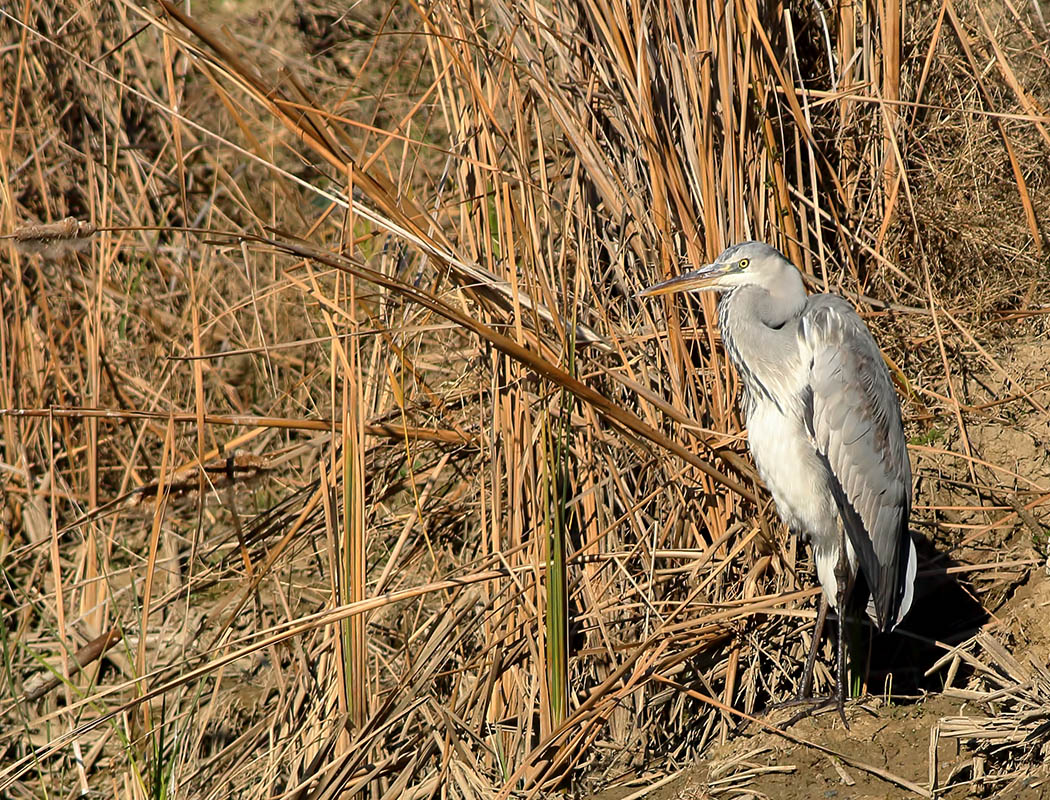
53, 239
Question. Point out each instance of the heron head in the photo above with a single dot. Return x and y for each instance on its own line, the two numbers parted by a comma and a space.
744, 264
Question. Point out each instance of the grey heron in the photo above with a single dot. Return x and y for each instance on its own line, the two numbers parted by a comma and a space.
824, 427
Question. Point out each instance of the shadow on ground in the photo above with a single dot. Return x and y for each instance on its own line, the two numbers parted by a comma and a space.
944, 612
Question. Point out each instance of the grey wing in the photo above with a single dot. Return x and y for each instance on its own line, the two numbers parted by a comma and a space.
854, 418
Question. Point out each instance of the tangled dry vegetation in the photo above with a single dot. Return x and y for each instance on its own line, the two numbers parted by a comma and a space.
338, 455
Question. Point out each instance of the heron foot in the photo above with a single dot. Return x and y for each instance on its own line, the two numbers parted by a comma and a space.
813, 706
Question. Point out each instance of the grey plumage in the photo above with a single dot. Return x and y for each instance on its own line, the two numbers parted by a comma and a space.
854, 419
824, 424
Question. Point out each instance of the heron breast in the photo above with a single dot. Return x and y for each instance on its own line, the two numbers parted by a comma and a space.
792, 470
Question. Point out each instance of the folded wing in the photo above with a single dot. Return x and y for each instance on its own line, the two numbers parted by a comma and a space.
854, 418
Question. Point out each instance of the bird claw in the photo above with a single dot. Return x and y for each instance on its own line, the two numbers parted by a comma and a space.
840, 704
813, 706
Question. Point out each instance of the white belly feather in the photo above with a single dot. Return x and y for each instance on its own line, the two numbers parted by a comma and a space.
786, 459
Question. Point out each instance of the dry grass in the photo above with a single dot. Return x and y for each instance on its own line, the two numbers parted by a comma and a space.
337, 454
1012, 744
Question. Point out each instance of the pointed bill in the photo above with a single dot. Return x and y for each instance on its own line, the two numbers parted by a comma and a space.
696, 280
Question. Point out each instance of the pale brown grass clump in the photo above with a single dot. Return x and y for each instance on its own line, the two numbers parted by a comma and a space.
337, 453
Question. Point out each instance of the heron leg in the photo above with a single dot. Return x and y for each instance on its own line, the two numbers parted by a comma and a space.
805, 695
811, 660
842, 591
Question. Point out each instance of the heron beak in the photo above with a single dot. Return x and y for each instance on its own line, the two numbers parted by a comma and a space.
696, 280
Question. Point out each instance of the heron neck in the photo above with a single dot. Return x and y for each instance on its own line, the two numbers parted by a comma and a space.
755, 328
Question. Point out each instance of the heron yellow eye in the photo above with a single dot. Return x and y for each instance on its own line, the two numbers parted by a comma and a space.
742, 263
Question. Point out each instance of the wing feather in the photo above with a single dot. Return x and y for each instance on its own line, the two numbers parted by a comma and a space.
854, 418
